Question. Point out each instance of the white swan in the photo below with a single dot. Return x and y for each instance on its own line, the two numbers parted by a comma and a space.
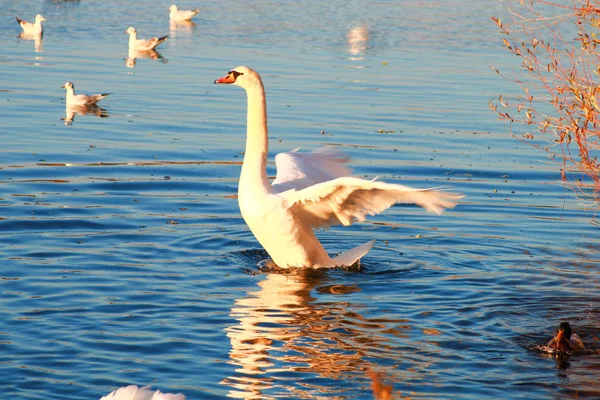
132, 392
143, 44
35, 28
310, 191
73, 99
181, 15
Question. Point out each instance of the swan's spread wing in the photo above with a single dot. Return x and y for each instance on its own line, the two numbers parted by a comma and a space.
346, 200
132, 392
297, 170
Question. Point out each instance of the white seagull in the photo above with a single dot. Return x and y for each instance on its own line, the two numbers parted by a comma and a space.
182, 15
143, 44
35, 28
132, 392
73, 99
310, 191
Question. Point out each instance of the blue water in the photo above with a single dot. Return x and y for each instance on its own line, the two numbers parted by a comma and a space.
125, 259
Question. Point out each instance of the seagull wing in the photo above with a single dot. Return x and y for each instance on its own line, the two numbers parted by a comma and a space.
345, 200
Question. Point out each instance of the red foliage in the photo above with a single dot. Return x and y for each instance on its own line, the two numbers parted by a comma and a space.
557, 45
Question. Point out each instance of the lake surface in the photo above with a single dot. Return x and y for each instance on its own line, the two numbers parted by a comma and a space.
125, 259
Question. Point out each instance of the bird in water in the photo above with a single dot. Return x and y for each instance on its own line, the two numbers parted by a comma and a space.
34, 28
181, 15
566, 339
311, 190
73, 100
143, 44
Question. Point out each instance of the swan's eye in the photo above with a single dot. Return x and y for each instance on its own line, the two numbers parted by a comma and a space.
235, 74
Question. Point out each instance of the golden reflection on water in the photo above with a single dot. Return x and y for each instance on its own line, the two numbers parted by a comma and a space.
38, 40
358, 39
180, 26
72, 111
133, 55
280, 328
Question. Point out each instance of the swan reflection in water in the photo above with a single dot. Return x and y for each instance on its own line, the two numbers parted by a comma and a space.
72, 111
281, 328
38, 40
358, 39
133, 55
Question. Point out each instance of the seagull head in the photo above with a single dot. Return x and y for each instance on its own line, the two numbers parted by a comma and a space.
68, 85
240, 76
131, 30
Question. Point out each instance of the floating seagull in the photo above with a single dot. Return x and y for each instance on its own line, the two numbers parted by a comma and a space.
182, 15
132, 392
32, 29
143, 44
311, 190
73, 99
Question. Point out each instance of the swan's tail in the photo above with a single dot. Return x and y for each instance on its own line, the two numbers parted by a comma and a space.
348, 258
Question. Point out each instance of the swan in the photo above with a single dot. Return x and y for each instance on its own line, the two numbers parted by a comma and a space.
143, 44
73, 99
35, 28
132, 392
182, 15
311, 190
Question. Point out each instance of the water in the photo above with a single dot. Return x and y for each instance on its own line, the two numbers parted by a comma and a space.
125, 259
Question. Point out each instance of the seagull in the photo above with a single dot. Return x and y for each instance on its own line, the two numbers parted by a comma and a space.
143, 44
310, 190
132, 392
73, 99
182, 15
32, 29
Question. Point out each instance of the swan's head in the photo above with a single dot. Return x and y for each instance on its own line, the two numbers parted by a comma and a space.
68, 85
131, 30
39, 18
173, 8
241, 76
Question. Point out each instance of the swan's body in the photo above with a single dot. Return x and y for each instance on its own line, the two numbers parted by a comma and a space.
182, 15
310, 191
35, 28
132, 392
74, 100
143, 44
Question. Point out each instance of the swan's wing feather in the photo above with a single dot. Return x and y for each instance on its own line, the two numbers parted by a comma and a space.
345, 200
296, 170
132, 392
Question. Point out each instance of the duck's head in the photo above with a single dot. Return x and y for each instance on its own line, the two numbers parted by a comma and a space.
561, 340
131, 30
40, 18
68, 85
173, 7
241, 76
565, 328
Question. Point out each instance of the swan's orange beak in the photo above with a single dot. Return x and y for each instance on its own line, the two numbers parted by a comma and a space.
229, 78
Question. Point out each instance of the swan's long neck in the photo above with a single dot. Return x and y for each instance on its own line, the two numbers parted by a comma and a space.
254, 168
